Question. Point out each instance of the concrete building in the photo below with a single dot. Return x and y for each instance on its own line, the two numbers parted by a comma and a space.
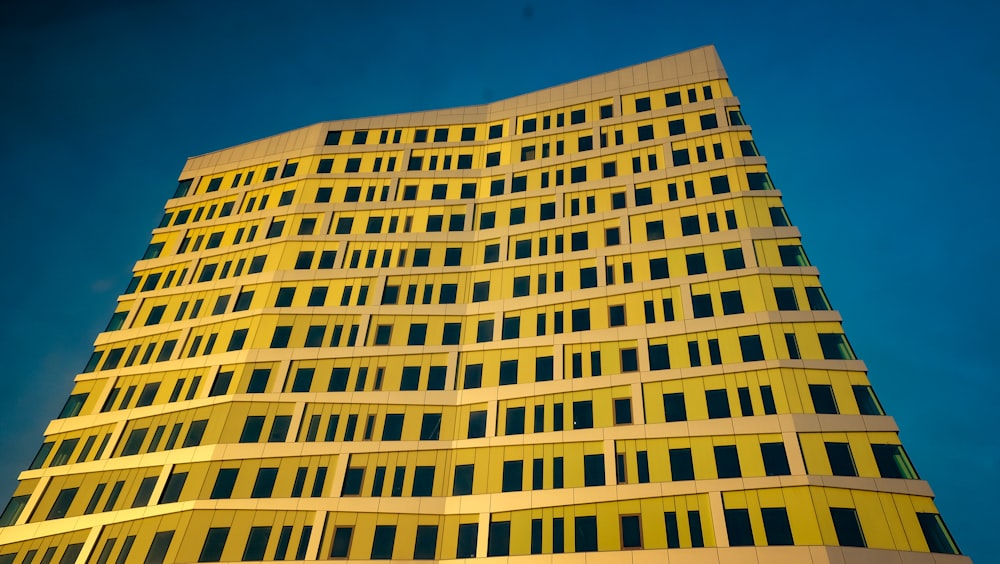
578, 322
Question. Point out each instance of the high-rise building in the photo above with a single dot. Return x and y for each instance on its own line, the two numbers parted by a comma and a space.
578, 320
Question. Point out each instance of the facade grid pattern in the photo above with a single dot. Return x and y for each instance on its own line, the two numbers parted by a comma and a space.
576, 321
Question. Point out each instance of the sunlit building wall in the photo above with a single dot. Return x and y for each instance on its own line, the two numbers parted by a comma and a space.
575, 322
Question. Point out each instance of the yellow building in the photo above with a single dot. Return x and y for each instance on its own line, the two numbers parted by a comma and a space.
574, 322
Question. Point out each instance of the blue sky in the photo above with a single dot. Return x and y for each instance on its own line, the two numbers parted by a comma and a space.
878, 120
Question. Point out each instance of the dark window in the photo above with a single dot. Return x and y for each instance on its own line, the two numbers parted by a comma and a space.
817, 299
696, 264
868, 404
785, 298
658, 269
586, 534
513, 475
823, 398
738, 527
623, 411
702, 306
681, 464
718, 404
468, 534
583, 415
643, 196
775, 459
654, 230
847, 526
464, 474
751, 347
835, 347
659, 357
681, 157
779, 217
841, 460
588, 277
581, 319
776, 526
676, 127
353, 478
727, 461
477, 420
892, 462
578, 174
224, 482
673, 99
673, 407
733, 258
732, 302
383, 541
792, 255
936, 534
425, 544
577, 116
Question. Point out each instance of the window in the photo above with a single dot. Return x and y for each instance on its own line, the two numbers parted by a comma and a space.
616, 315
727, 461
673, 407
468, 534
738, 527
654, 230
792, 255
659, 357
425, 543
936, 534
776, 526
593, 469
835, 347
733, 258
751, 347
658, 269
681, 157
577, 116
264, 485
224, 482
173, 488
513, 475
623, 411
583, 415
775, 459
817, 299
718, 404
823, 398
383, 542
696, 263
893, 463
785, 298
732, 303
847, 526
767, 398
702, 306
779, 217
841, 459
868, 404
581, 319
508, 372
477, 419
62, 503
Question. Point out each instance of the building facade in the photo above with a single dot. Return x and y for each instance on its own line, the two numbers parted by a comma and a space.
578, 322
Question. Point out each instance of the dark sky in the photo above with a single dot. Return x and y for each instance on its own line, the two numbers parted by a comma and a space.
879, 120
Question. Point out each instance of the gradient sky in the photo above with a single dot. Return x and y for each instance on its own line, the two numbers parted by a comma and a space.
878, 120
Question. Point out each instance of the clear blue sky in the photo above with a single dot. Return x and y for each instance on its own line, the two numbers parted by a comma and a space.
879, 120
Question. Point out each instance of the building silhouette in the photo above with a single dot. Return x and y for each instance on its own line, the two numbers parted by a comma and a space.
576, 321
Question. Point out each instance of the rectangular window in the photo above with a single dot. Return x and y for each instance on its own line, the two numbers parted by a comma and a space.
823, 399
586, 533
847, 526
738, 527
681, 464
